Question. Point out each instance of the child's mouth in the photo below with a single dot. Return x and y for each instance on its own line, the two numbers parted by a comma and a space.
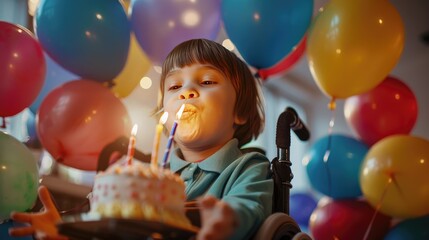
189, 111
187, 114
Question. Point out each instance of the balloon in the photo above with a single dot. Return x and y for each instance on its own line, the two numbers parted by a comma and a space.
338, 176
264, 32
4, 230
22, 68
88, 38
137, 65
394, 176
286, 63
348, 219
77, 119
18, 176
55, 76
161, 25
353, 45
301, 206
374, 115
410, 229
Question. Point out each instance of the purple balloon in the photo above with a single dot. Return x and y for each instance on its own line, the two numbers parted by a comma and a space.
160, 25
301, 207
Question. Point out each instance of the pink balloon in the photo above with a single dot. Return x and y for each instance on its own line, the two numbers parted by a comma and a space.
348, 219
76, 120
22, 68
388, 109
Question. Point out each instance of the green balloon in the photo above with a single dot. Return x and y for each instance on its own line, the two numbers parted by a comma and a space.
18, 176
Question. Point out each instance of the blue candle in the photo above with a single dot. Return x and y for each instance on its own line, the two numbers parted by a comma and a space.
171, 136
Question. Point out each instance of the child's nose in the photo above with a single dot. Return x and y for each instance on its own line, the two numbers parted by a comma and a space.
188, 93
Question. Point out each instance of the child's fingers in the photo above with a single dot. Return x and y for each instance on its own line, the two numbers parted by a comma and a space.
21, 217
207, 201
21, 231
45, 198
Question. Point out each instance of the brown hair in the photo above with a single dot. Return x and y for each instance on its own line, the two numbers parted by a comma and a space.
249, 104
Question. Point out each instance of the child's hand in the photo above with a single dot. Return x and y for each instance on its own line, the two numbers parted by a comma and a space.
43, 224
217, 217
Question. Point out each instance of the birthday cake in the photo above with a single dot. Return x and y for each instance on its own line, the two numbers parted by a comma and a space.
138, 190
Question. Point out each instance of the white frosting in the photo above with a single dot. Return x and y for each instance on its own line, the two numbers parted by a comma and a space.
139, 191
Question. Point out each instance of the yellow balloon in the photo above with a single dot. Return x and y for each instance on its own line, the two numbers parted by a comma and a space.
395, 176
353, 45
135, 68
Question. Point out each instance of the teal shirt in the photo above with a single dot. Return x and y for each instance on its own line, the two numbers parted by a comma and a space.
241, 180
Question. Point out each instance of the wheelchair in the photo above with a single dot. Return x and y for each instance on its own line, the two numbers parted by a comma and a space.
279, 225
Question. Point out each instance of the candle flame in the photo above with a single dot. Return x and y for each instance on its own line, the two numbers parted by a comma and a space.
179, 113
163, 118
134, 130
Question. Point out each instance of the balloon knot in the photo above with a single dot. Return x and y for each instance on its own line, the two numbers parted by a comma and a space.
332, 105
110, 84
258, 76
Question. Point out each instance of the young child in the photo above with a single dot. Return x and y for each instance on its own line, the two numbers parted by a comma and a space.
223, 111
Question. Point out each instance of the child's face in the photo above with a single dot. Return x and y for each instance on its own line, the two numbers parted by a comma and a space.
208, 119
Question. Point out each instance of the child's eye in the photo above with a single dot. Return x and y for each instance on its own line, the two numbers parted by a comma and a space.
208, 82
173, 87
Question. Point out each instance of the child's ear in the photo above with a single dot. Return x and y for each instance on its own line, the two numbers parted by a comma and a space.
239, 120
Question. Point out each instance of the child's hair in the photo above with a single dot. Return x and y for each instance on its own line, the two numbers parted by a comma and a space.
249, 102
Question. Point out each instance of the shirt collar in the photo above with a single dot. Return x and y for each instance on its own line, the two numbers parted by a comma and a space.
215, 163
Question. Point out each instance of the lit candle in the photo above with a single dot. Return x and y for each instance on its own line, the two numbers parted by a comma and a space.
158, 131
131, 145
171, 136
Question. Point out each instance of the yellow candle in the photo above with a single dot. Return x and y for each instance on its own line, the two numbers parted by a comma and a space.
158, 131
131, 145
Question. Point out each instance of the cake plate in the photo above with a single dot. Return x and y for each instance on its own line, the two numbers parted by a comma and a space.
114, 228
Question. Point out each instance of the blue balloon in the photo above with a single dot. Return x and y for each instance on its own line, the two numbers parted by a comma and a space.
333, 165
88, 38
264, 32
4, 231
410, 229
55, 76
301, 206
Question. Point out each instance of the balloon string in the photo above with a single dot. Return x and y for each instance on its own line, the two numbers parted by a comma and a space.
377, 209
331, 107
328, 149
3, 125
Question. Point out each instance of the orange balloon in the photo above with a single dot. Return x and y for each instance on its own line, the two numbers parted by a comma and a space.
136, 67
353, 45
395, 176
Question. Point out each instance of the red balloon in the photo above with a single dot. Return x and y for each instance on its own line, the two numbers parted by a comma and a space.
286, 63
77, 119
348, 219
22, 68
388, 109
